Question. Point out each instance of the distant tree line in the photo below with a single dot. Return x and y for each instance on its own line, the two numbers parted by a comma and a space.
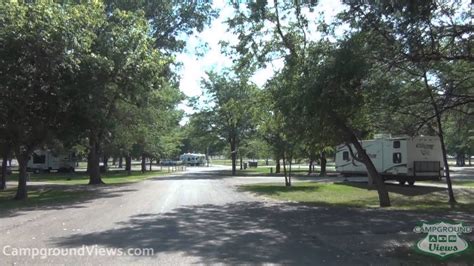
398, 67
92, 76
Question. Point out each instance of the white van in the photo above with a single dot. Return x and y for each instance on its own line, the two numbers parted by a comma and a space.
193, 159
405, 159
45, 161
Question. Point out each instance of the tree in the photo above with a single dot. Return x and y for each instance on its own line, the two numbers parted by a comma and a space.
331, 76
70, 67
230, 106
169, 20
5, 148
156, 134
423, 40
38, 59
459, 132
122, 68
201, 137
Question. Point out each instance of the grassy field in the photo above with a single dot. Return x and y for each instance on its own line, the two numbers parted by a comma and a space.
228, 162
463, 183
466, 183
352, 194
303, 163
296, 171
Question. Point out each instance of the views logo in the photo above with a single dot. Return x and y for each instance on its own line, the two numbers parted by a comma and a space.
442, 238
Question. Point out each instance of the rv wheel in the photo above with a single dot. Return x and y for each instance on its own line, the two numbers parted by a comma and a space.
402, 182
411, 183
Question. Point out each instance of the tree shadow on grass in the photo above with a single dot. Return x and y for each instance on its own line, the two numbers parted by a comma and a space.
397, 189
426, 198
56, 197
256, 233
269, 190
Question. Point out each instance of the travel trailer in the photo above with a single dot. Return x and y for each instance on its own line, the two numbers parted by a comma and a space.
46, 160
406, 159
193, 159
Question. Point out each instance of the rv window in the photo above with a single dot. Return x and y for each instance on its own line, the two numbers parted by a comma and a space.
397, 157
39, 158
189, 159
396, 144
345, 156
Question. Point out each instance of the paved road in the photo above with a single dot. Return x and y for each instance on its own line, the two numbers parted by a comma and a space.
201, 217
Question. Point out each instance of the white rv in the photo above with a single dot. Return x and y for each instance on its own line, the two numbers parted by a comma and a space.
405, 159
45, 160
193, 159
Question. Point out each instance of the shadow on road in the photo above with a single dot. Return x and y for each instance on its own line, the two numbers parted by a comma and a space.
256, 232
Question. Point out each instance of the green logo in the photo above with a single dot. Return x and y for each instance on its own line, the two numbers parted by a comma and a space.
442, 238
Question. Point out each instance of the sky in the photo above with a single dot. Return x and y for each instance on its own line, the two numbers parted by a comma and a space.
194, 67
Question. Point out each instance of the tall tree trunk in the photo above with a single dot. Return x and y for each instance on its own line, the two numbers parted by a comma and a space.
93, 163
452, 199
3, 178
128, 164
105, 161
284, 171
459, 157
88, 170
470, 159
310, 169
289, 173
233, 156
241, 162
382, 192
114, 161
323, 164
384, 198
277, 166
151, 164
22, 192
120, 162
143, 163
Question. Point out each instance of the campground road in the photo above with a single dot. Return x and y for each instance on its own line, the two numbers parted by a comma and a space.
201, 217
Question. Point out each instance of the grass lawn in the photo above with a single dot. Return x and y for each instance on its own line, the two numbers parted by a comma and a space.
265, 170
111, 177
221, 162
466, 183
258, 170
352, 194
38, 197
